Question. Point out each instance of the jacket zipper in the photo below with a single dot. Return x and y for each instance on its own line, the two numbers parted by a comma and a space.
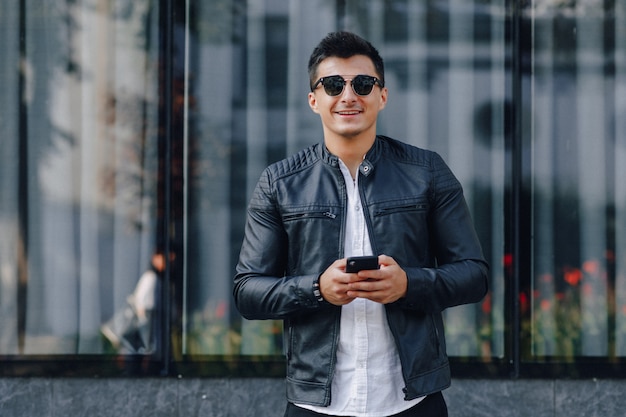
401, 209
309, 215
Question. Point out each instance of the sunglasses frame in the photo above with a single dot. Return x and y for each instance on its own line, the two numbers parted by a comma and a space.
345, 81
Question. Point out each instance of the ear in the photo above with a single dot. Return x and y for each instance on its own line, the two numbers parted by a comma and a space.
383, 98
313, 102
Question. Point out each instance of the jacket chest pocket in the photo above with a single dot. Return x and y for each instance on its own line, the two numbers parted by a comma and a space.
403, 213
401, 228
313, 236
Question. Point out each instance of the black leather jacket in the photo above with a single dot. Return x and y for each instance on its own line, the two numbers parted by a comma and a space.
415, 212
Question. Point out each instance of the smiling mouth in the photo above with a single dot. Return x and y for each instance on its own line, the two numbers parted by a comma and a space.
348, 112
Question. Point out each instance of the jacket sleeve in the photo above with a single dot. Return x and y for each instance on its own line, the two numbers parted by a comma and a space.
261, 289
460, 274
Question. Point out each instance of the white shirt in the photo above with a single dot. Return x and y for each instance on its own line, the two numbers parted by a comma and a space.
368, 376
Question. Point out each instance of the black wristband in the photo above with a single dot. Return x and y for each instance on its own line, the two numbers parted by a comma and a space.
317, 292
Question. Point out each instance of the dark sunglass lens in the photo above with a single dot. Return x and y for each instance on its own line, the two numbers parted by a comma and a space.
333, 85
363, 84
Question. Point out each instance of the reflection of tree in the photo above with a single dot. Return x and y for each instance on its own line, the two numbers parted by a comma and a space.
133, 180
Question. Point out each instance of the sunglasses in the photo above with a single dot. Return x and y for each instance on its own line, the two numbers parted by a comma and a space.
361, 84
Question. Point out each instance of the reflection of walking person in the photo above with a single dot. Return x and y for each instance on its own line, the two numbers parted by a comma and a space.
131, 330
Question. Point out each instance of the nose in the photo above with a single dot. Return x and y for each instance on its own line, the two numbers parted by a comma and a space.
348, 93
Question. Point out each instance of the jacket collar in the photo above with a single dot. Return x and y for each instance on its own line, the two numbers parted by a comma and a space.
367, 166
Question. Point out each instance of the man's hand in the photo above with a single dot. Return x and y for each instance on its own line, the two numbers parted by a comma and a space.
384, 285
334, 283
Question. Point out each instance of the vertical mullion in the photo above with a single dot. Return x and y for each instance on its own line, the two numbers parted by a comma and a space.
620, 173
23, 187
167, 36
515, 199
499, 129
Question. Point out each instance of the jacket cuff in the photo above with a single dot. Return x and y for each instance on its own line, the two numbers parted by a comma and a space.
309, 293
317, 292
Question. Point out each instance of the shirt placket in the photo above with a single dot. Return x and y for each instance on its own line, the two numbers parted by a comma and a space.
361, 356
360, 316
358, 237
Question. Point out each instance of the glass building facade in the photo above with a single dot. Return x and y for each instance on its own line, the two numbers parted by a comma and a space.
133, 132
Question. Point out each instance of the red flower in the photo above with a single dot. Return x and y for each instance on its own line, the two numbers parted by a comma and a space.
507, 260
523, 301
592, 267
572, 276
486, 304
220, 310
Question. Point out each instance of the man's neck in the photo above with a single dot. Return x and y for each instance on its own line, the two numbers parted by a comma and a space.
350, 150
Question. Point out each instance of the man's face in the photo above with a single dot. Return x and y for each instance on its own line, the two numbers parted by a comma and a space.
348, 115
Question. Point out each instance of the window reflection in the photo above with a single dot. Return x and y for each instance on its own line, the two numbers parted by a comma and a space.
577, 159
445, 68
80, 174
82, 192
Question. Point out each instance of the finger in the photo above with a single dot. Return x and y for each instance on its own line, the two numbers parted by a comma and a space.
370, 274
341, 264
386, 260
375, 296
365, 286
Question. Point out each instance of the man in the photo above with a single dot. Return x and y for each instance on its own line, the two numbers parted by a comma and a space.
369, 343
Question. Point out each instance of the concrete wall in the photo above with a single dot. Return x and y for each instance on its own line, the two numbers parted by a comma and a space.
160, 397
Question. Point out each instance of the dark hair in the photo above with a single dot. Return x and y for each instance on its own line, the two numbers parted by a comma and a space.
344, 45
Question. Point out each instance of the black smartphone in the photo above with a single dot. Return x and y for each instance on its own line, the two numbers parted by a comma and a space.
358, 263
